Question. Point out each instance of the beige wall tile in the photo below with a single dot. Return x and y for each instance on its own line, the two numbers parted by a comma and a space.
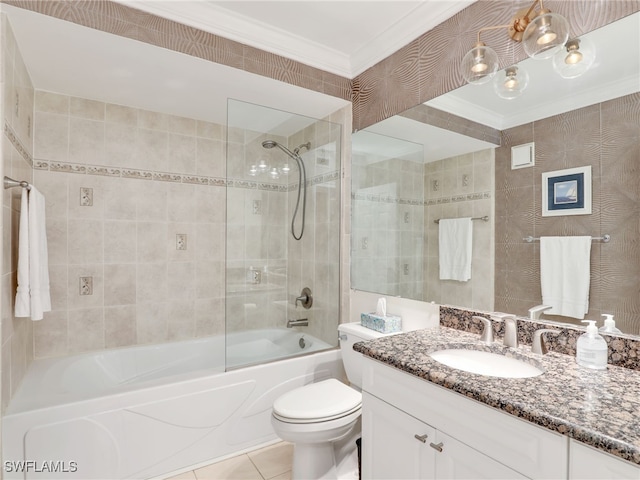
51, 136
120, 241
120, 326
119, 284
89, 109
85, 241
86, 330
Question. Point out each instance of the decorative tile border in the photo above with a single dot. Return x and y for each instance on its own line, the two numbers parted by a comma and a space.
15, 141
172, 177
425, 203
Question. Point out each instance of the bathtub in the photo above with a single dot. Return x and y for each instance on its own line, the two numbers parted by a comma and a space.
143, 412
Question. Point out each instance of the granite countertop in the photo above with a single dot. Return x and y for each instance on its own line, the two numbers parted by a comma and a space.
600, 408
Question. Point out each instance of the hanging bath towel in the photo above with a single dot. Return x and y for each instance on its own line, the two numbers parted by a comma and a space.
455, 245
565, 266
32, 296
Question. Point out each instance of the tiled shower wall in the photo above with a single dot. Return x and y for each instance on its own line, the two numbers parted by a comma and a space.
17, 108
456, 187
135, 225
605, 136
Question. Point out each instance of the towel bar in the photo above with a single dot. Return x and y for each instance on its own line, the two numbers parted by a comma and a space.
484, 219
605, 238
10, 183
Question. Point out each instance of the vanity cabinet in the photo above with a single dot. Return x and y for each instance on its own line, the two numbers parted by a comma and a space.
588, 463
399, 446
477, 441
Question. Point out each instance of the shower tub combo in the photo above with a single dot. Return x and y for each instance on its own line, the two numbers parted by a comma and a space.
143, 412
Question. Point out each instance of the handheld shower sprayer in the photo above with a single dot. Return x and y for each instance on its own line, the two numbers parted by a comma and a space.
302, 180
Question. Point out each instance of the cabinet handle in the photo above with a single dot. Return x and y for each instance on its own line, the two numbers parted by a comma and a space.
422, 438
437, 446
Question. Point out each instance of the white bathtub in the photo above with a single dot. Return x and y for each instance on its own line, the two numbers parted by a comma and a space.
143, 412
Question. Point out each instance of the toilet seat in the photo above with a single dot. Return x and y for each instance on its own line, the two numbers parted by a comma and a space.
317, 402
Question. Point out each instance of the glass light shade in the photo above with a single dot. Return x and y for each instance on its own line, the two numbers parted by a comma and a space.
285, 169
479, 65
253, 170
575, 59
545, 35
262, 165
512, 83
274, 173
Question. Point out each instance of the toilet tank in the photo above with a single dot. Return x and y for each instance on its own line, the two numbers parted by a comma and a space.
350, 333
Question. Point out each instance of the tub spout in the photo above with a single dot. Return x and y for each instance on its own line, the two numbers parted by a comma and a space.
303, 322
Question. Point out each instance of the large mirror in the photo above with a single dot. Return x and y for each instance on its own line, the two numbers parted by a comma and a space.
451, 158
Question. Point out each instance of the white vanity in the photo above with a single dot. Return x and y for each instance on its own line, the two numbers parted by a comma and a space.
450, 424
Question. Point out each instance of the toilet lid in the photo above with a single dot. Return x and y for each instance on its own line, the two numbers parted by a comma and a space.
318, 401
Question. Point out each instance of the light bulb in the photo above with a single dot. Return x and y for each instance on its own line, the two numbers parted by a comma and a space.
286, 168
262, 165
545, 35
274, 173
479, 65
576, 59
512, 84
253, 170
574, 56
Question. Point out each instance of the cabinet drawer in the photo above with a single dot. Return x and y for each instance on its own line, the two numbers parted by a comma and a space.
531, 450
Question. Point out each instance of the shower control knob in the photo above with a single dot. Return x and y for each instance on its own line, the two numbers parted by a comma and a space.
305, 298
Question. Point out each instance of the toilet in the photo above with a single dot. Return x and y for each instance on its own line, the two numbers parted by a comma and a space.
322, 419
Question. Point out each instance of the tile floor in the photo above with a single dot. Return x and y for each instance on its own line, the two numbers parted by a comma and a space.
269, 463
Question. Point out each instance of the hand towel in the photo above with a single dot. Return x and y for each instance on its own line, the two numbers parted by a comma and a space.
22, 305
33, 294
565, 267
455, 245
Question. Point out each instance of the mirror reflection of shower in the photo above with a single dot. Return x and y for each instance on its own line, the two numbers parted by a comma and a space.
302, 181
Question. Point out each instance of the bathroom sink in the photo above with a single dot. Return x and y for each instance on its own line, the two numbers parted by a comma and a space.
485, 363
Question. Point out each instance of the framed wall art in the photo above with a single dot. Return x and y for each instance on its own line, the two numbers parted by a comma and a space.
566, 192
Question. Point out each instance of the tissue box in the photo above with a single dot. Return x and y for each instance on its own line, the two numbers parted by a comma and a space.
386, 324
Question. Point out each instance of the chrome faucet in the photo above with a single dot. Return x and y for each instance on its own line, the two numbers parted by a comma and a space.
487, 333
535, 312
303, 322
539, 346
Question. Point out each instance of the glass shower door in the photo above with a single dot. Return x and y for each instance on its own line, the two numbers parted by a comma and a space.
267, 266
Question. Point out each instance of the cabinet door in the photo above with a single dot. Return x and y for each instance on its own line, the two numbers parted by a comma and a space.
588, 463
455, 460
390, 449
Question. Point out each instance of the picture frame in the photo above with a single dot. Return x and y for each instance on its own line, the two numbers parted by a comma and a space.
566, 192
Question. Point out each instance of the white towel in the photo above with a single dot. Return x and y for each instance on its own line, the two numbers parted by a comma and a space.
32, 296
22, 307
565, 267
455, 245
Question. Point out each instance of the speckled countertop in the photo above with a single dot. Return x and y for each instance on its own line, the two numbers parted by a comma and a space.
600, 408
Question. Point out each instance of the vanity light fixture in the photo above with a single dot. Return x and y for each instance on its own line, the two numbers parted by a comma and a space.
513, 83
541, 32
575, 59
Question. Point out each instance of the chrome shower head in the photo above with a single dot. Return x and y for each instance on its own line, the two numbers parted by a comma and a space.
269, 143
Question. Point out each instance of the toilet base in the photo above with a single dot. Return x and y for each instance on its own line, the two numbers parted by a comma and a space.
327, 461
323, 454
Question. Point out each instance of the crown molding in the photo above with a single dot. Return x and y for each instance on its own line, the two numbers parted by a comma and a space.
225, 23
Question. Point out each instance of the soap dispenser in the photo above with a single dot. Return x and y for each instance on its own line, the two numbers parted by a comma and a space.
591, 349
609, 324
